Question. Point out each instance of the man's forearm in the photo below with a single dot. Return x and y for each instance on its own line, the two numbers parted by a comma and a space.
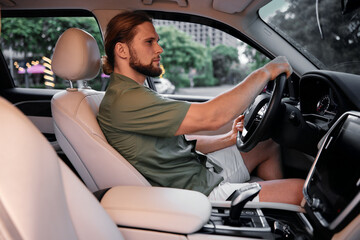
231, 104
208, 144
227, 106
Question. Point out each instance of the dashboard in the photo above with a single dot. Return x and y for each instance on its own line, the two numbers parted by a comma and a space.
321, 102
326, 95
323, 97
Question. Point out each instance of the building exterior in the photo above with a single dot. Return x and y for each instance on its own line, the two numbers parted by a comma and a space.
200, 33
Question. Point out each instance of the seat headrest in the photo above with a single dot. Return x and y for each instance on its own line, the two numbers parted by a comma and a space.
76, 56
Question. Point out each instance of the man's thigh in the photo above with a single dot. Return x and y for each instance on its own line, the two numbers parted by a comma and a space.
230, 159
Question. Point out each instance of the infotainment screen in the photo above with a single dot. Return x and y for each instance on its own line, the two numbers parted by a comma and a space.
332, 187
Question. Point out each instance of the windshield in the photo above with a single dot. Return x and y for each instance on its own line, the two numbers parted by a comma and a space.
319, 30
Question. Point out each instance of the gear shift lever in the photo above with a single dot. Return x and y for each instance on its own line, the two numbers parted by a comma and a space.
240, 197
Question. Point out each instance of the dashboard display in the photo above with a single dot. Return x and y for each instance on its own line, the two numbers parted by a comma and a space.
323, 105
319, 101
333, 184
327, 104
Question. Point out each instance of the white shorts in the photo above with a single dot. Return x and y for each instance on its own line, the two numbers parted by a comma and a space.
235, 173
225, 189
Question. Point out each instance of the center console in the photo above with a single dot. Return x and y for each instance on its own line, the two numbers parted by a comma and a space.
260, 221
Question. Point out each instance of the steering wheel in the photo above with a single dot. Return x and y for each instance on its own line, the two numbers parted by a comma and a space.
260, 115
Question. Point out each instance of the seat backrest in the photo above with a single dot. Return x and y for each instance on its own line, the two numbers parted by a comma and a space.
40, 198
74, 112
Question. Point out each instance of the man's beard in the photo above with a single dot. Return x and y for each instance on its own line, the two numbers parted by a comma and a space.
147, 70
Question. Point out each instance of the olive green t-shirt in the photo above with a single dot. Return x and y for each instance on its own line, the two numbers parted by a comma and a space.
141, 125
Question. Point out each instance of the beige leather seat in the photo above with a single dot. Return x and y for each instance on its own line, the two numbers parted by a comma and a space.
40, 198
76, 58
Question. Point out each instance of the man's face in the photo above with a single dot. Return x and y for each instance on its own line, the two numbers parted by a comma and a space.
145, 51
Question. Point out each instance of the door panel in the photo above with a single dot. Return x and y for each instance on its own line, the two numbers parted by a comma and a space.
36, 104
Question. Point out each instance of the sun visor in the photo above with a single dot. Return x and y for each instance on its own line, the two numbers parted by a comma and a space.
230, 6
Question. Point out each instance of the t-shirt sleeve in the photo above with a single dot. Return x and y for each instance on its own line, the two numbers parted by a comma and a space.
144, 111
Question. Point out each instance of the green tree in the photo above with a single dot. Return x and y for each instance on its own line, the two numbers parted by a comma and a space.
300, 25
180, 54
207, 77
256, 59
223, 57
37, 36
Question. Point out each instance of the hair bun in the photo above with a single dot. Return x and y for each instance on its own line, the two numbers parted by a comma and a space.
106, 66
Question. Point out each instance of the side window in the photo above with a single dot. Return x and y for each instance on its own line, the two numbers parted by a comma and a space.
201, 60
28, 43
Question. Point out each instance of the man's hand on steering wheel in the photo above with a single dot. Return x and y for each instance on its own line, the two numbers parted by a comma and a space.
278, 66
260, 116
237, 126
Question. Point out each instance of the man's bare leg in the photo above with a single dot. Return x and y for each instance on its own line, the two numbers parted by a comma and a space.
271, 168
266, 157
283, 191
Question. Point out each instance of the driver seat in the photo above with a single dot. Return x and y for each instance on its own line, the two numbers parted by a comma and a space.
76, 58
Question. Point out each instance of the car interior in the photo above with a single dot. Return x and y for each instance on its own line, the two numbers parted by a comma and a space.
61, 179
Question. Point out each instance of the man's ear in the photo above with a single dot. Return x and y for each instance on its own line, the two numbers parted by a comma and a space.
121, 50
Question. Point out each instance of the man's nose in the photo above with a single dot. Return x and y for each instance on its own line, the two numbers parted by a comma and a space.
159, 49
